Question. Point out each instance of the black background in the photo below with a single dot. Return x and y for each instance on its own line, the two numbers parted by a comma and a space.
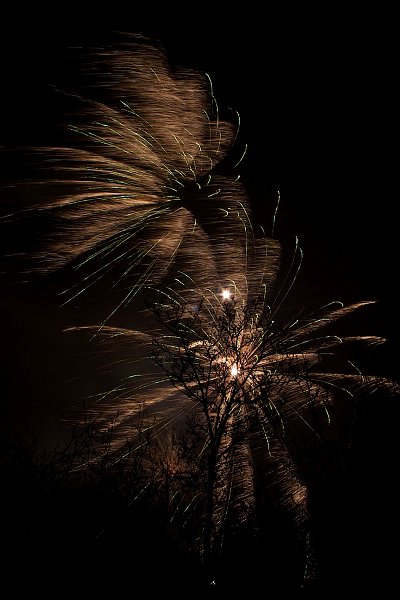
317, 98
316, 95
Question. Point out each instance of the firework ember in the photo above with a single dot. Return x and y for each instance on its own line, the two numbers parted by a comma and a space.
250, 381
139, 191
147, 196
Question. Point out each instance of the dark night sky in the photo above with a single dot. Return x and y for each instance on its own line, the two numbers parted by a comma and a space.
317, 109
316, 95
317, 104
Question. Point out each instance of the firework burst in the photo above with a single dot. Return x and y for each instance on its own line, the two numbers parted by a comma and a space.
243, 384
139, 197
138, 190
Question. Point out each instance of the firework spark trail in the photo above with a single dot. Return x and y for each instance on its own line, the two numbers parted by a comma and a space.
138, 191
248, 377
141, 198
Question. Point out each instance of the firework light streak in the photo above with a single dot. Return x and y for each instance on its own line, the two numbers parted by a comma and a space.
142, 198
247, 380
139, 190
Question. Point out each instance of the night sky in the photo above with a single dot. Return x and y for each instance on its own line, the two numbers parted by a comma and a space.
316, 96
317, 107
317, 112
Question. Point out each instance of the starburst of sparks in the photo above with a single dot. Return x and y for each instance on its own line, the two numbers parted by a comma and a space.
247, 378
139, 196
138, 189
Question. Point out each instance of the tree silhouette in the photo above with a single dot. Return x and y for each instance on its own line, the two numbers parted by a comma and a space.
245, 397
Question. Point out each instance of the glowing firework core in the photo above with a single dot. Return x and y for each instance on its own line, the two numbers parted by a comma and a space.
226, 295
234, 370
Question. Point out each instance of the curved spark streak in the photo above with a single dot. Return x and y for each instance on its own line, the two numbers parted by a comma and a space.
138, 197
246, 377
136, 192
